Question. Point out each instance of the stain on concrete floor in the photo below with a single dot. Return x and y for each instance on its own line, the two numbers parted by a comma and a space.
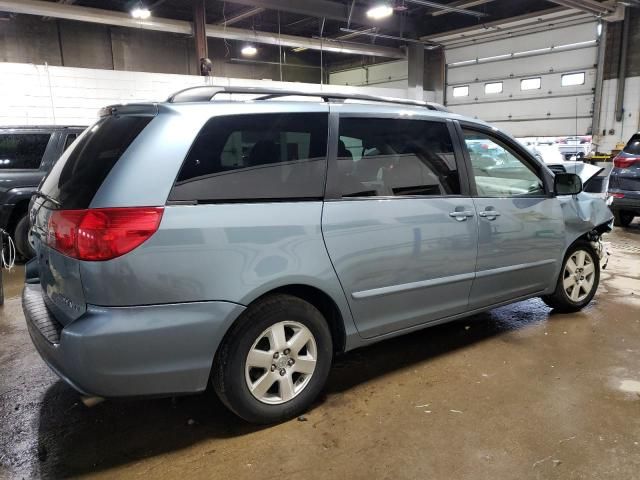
518, 392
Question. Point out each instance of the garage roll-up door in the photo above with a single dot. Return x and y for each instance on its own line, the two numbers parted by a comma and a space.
529, 81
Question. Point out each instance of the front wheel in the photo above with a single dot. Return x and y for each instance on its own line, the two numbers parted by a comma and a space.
578, 281
274, 361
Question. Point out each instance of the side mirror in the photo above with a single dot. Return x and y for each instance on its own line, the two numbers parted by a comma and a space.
567, 184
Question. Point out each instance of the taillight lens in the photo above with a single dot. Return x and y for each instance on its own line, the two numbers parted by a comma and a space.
624, 162
616, 195
101, 233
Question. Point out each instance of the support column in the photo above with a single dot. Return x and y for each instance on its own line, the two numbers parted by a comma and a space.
200, 34
415, 60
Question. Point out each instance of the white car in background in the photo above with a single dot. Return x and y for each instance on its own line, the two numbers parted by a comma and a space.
544, 149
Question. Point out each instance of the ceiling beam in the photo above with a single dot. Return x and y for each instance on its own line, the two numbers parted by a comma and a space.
331, 10
241, 16
589, 6
460, 4
447, 8
121, 19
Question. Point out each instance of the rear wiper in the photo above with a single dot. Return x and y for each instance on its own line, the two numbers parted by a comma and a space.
48, 198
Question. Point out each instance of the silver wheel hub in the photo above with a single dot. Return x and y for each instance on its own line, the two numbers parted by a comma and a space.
579, 275
281, 362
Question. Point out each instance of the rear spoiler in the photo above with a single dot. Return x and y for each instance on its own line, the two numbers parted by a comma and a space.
146, 109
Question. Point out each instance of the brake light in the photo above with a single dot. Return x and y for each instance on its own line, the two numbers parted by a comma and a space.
624, 162
101, 233
616, 195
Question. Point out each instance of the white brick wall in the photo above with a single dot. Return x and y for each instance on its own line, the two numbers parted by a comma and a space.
40, 94
631, 120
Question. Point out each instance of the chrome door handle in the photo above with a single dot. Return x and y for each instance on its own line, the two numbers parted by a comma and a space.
461, 216
489, 214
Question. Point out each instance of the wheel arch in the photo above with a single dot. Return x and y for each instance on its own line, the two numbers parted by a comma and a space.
320, 300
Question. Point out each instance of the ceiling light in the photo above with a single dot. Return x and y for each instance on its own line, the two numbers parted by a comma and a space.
249, 50
379, 11
141, 13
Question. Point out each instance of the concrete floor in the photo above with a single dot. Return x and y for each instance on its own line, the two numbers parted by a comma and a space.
515, 393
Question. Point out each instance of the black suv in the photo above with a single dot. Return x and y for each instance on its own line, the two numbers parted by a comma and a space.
26, 155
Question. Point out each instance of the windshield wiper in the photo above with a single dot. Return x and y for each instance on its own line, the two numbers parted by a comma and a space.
48, 198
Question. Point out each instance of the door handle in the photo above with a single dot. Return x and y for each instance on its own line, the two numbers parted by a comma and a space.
461, 216
490, 214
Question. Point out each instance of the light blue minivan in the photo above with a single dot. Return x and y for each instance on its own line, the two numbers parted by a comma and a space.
243, 237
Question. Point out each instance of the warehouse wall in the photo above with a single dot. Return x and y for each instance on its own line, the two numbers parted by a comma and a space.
611, 133
30, 39
43, 94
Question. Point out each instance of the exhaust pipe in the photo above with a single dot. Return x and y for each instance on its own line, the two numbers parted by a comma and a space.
91, 401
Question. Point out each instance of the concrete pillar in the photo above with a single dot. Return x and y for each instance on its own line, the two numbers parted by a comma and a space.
415, 60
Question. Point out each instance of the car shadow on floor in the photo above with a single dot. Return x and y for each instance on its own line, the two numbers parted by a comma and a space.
75, 440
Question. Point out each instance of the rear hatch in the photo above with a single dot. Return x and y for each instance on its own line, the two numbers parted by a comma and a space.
626, 172
64, 195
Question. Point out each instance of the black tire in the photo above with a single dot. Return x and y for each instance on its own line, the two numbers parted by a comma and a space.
228, 373
21, 238
559, 300
622, 218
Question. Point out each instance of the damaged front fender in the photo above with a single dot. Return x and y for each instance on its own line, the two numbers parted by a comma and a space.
586, 215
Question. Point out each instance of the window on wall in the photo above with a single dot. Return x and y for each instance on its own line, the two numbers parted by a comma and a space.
259, 157
461, 91
499, 171
391, 157
530, 83
494, 87
571, 79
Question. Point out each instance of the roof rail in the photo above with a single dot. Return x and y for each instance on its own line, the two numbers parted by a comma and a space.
207, 93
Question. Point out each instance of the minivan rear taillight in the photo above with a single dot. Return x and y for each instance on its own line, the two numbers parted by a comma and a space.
101, 233
625, 162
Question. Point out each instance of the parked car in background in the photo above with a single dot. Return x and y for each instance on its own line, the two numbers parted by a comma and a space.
244, 244
577, 147
624, 183
26, 155
545, 149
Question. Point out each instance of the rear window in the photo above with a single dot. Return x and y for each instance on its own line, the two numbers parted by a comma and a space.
77, 176
22, 150
256, 157
633, 147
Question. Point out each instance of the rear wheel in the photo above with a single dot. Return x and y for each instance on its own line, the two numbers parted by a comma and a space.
622, 218
21, 238
275, 360
578, 281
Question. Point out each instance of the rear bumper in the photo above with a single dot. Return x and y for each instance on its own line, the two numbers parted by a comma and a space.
630, 202
131, 351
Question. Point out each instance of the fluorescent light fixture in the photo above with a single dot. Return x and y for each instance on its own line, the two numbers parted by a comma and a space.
599, 29
380, 11
141, 13
249, 50
461, 91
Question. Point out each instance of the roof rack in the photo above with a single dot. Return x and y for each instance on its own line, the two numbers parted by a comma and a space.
207, 94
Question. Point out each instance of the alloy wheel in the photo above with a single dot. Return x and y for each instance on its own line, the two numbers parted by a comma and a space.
281, 362
579, 275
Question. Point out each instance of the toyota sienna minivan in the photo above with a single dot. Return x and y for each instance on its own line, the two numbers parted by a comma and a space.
243, 237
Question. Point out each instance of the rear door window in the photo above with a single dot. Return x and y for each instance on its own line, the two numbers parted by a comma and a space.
22, 150
77, 176
256, 157
392, 157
